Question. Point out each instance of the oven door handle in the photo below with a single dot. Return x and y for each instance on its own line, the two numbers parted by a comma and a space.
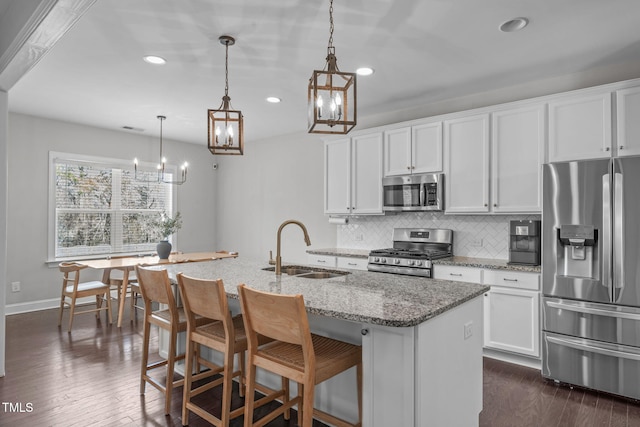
589, 308
422, 195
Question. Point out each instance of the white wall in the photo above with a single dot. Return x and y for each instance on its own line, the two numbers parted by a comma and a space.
4, 114
275, 180
30, 140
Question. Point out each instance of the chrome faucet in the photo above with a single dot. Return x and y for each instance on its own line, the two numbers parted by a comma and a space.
278, 243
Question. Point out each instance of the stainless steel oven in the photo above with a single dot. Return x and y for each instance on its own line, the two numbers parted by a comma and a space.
413, 192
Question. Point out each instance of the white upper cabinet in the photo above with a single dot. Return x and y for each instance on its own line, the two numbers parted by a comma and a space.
518, 141
414, 149
353, 175
580, 127
466, 141
628, 121
337, 176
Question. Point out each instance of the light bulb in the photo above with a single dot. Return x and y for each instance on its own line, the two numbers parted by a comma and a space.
338, 99
319, 102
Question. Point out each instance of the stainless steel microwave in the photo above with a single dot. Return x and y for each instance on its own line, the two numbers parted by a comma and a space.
413, 192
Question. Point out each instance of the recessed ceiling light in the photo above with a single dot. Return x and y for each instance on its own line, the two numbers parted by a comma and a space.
515, 24
273, 99
156, 60
364, 71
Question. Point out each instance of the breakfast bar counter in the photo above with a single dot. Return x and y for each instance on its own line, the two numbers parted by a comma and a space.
421, 339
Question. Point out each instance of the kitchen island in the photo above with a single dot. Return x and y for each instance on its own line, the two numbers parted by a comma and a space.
421, 339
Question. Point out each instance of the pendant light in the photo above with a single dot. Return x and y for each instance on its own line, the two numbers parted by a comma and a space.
161, 176
331, 95
225, 125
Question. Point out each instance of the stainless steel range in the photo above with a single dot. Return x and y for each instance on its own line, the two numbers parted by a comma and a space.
412, 252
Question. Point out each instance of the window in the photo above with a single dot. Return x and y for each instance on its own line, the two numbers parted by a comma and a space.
98, 207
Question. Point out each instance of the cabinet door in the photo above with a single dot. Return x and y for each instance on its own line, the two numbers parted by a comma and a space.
426, 148
512, 321
580, 127
388, 387
366, 174
518, 138
628, 121
467, 164
337, 177
397, 152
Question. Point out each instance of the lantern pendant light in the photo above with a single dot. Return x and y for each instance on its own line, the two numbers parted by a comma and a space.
331, 96
225, 125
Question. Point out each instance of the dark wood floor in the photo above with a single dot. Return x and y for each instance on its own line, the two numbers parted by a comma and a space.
91, 377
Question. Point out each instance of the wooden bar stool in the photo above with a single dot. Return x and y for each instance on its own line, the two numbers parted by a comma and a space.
156, 287
296, 354
73, 289
207, 298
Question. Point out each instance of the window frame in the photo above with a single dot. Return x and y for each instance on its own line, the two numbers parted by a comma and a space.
109, 162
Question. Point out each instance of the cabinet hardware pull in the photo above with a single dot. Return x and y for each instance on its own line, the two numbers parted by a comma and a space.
607, 149
509, 280
408, 167
455, 274
351, 263
485, 205
486, 295
495, 205
413, 167
364, 331
321, 260
621, 147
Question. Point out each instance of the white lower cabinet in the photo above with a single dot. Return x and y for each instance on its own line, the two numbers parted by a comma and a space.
457, 274
512, 312
418, 376
352, 263
328, 261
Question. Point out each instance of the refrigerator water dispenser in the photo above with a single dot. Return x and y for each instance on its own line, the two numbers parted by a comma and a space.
579, 243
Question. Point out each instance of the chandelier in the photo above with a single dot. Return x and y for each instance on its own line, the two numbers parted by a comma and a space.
331, 94
225, 133
161, 177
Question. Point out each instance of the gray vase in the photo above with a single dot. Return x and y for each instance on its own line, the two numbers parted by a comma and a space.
164, 249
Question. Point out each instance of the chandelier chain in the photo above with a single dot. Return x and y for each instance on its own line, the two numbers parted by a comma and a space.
330, 25
226, 70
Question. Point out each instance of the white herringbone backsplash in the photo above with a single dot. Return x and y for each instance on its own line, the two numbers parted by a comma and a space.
478, 236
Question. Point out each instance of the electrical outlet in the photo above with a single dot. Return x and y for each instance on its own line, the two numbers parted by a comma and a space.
15, 286
468, 330
477, 243
359, 237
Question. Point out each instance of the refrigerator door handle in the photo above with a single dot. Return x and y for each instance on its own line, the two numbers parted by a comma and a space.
592, 308
580, 344
606, 233
618, 232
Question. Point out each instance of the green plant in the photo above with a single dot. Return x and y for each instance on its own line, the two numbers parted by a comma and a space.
167, 226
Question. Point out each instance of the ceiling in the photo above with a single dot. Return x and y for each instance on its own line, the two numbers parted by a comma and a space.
422, 51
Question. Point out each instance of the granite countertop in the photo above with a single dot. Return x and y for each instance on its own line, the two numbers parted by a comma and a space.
361, 296
346, 252
487, 263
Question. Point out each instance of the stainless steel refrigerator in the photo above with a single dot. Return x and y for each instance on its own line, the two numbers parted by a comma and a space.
591, 274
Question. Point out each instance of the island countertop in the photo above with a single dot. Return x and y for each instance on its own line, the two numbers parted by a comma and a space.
360, 296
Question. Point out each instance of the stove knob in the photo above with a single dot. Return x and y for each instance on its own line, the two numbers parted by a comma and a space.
396, 261
376, 259
418, 263
383, 260
410, 262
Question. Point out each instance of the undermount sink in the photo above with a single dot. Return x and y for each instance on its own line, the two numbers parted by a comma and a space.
320, 275
309, 272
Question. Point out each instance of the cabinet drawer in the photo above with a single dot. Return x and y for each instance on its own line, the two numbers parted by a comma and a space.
352, 263
511, 279
322, 260
458, 274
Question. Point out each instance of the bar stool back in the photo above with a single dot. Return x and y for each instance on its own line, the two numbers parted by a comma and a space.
296, 353
207, 298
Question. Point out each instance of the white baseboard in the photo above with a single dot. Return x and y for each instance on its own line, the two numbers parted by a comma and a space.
26, 307
529, 362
